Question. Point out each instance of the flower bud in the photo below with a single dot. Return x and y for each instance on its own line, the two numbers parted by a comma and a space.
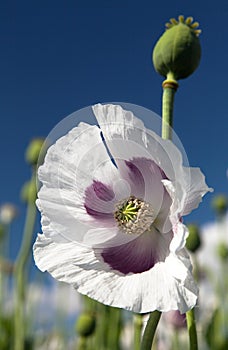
220, 204
85, 325
222, 251
35, 151
29, 192
193, 241
177, 53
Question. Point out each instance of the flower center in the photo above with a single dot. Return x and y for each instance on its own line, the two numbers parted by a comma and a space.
133, 215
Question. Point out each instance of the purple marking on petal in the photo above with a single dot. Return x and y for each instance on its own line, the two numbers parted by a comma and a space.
138, 255
140, 172
137, 165
97, 214
103, 192
136, 177
97, 196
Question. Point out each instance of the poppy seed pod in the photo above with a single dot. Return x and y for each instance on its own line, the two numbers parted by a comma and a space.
222, 251
177, 53
85, 325
193, 241
220, 204
29, 192
34, 151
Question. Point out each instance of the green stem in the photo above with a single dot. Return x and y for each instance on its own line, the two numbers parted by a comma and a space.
114, 329
176, 344
2, 273
138, 323
20, 277
82, 343
170, 86
150, 329
192, 329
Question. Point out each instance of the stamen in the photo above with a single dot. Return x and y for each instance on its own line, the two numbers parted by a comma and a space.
133, 215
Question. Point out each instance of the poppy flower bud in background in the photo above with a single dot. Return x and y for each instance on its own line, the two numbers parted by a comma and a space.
177, 53
85, 325
34, 151
29, 192
220, 204
193, 241
222, 251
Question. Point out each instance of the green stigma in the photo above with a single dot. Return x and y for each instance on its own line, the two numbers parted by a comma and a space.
133, 215
129, 210
188, 21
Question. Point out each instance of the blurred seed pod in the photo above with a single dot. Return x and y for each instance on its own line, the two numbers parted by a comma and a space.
85, 325
193, 241
220, 204
222, 251
35, 151
29, 192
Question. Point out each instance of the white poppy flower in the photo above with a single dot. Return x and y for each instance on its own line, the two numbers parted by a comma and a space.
112, 202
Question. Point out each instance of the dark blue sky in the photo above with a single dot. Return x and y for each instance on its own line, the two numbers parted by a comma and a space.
59, 56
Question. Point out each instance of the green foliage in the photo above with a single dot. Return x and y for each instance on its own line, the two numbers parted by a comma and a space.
217, 334
6, 333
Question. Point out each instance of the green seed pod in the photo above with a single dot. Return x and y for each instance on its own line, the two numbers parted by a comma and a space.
34, 150
29, 192
85, 325
177, 53
222, 251
220, 204
193, 241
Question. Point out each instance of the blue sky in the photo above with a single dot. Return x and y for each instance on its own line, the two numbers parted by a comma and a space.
57, 57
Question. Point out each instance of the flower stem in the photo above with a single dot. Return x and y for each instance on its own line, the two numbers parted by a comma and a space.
170, 86
138, 323
114, 329
150, 329
20, 277
192, 329
82, 343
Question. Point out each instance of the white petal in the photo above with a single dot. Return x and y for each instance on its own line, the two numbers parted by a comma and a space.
156, 289
180, 232
127, 137
195, 190
106, 237
70, 166
163, 222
